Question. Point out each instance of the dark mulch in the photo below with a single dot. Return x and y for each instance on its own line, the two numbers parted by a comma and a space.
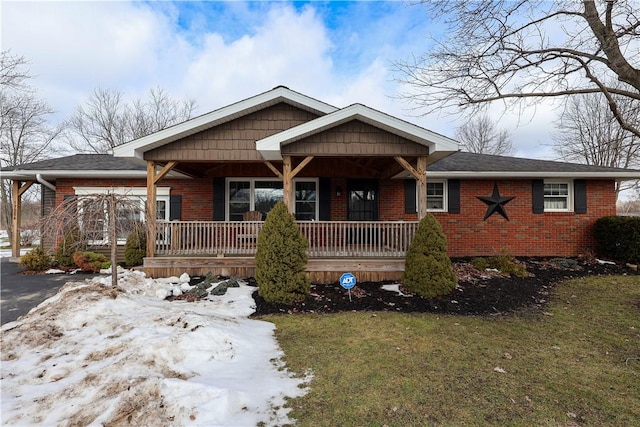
478, 292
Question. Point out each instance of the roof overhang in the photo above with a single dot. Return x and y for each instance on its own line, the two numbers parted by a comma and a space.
618, 176
137, 148
270, 147
30, 175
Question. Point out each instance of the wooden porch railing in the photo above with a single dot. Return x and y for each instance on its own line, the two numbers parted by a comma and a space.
327, 239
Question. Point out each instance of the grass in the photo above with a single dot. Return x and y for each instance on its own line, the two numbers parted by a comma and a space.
575, 364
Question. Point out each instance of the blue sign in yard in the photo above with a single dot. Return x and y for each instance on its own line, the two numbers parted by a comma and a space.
347, 280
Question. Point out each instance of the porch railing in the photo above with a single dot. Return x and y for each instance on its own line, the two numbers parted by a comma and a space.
326, 238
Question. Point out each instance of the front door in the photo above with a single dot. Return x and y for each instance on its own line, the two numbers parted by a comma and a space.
363, 200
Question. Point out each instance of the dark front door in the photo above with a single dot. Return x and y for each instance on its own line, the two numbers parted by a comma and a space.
363, 200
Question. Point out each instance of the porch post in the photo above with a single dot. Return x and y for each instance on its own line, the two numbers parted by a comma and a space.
420, 175
151, 209
422, 187
16, 214
287, 185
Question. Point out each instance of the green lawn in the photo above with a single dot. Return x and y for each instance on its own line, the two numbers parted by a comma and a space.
576, 364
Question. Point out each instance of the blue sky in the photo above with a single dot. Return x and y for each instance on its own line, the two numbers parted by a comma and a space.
221, 52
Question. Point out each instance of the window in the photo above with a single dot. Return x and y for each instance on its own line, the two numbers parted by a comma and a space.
306, 197
557, 197
436, 196
255, 194
94, 218
252, 195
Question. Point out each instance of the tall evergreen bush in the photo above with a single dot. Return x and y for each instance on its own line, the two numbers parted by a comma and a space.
428, 271
136, 247
281, 258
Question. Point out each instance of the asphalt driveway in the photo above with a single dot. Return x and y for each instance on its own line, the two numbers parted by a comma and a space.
19, 293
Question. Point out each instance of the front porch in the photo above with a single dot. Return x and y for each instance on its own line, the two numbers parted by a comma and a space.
372, 250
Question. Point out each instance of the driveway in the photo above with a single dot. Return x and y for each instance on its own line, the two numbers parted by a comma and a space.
19, 293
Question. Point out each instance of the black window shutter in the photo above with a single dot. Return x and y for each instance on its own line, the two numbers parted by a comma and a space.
580, 196
175, 208
410, 196
537, 196
453, 196
324, 196
219, 208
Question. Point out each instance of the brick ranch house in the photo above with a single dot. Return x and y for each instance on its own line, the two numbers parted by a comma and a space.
356, 179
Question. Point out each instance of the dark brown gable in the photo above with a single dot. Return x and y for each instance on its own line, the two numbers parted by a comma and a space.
355, 138
233, 140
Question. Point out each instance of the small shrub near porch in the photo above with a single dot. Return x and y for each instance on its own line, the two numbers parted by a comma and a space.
281, 259
428, 271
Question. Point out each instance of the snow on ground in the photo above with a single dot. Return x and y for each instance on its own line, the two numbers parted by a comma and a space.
95, 355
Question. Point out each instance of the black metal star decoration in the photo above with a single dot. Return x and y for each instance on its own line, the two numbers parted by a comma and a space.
495, 203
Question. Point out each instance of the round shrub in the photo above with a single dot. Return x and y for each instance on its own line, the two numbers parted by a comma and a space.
281, 258
36, 260
136, 247
91, 261
428, 271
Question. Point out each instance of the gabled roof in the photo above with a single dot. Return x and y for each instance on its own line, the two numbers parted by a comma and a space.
269, 147
138, 147
474, 165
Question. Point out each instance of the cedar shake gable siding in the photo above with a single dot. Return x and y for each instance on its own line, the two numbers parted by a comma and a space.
357, 139
234, 140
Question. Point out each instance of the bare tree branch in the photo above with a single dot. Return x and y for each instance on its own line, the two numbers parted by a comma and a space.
525, 51
481, 135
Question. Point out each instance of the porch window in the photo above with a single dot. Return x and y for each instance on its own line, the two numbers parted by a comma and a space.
436, 196
252, 195
306, 197
557, 197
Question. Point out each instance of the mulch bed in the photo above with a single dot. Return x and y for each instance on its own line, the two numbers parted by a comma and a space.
477, 293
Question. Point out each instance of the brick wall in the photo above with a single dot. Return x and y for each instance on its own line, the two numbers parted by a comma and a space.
525, 234
197, 195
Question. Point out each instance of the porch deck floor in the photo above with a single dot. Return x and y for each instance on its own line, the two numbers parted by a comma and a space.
320, 270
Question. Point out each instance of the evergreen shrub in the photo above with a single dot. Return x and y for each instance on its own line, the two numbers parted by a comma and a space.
618, 237
36, 259
503, 263
135, 248
281, 258
428, 271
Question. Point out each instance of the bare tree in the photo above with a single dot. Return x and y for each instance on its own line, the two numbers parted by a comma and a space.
481, 135
106, 119
96, 220
587, 132
521, 52
25, 132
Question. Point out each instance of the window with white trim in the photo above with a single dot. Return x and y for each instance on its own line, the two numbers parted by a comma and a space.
252, 194
260, 194
306, 199
94, 217
436, 196
557, 196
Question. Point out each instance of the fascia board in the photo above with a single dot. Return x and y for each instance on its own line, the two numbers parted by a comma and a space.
55, 174
630, 175
271, 145
138, 147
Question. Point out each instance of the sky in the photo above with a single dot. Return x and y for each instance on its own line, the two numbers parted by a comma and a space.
92, 355
217, 53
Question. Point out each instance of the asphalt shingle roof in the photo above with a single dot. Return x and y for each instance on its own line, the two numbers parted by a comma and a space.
473, 162
86, 162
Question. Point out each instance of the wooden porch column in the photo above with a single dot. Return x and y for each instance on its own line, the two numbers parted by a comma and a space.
287, 176
16, 215
151, 209
152, 181
420, 175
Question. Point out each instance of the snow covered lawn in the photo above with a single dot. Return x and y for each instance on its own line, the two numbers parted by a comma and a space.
93, 355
